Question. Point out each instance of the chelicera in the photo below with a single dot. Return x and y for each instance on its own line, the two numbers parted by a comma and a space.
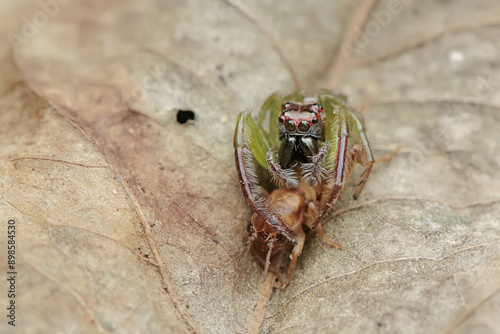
294, 172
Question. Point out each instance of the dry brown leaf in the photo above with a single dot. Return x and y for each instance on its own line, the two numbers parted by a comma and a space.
129, 222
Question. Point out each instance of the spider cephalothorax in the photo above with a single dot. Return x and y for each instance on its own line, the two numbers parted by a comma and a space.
300, 127
302, 120
317, 141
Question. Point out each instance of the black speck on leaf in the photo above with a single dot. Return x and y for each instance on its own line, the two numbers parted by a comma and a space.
185, 115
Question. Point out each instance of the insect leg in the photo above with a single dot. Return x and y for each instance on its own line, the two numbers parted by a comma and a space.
270, 245
390, 156
366, 162
364, 154
321, 234
297, 250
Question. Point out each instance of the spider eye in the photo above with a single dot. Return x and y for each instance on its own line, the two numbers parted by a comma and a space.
285, 105
315, 120
289, 125
280, 119
304, 126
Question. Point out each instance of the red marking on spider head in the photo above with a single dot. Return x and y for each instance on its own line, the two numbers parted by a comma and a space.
300, 116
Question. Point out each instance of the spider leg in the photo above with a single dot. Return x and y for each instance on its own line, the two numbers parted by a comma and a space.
340, 162
268, 114
248, 148
351, 147
314, 172
280, 175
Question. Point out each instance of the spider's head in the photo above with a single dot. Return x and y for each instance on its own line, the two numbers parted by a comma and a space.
298, 119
